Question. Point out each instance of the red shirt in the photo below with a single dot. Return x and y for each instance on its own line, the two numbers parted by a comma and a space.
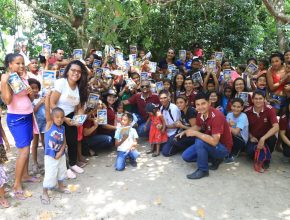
216, 123
88, 124
141, 102
284, 125
260, 124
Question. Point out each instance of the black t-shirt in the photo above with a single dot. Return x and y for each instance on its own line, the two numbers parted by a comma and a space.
191, 113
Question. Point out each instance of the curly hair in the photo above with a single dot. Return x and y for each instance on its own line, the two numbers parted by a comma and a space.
82, 82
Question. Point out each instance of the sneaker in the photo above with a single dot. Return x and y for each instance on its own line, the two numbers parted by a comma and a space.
229, 160
215, 164
77, 169
70, 174
198, 174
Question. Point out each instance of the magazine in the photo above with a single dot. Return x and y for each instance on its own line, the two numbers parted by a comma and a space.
130, 83
16, 83
98, 73
244, 96
46, 49
48, 80
97, 63
227, 75
61, 73
144, 76
119, 59
93, 100
159, 86
219, 56
79, 119
102, 116
152, 66
251, 69
211, 64
196, 77
78, 54
132, 59
171, 67
182, 54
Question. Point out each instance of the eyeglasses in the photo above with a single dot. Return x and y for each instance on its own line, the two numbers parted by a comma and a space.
145, 86
76, 71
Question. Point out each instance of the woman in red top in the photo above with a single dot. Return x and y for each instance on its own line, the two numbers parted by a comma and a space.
276, 80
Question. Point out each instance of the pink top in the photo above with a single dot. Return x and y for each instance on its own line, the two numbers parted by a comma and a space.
20, 103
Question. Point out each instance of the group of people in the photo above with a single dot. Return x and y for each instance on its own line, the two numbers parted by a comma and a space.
208, 120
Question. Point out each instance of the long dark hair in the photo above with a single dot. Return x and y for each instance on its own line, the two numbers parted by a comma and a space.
174, 86
82, 82
234, 92
9, 59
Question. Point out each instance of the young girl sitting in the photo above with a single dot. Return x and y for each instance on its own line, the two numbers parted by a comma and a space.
3, 177
126, 141
54, 159
157, 134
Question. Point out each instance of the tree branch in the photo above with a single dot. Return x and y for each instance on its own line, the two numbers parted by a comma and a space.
161, 2
281, 17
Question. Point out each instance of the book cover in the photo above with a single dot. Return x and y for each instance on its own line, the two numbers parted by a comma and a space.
61, 73
46, 49
159, 86
48, 80
79, 119
152, 66
99, 53
16, 83
132, 59
130, 83
107, 72
211, 64
147, 56
182, 54
251, 69
144, 76
219, 56
133, 49
78, 54
102, 116
171, 67
244, 96
107, 50
93, 100
111, 51
97, 63
119, 59
196, 77
227, 74
98, 73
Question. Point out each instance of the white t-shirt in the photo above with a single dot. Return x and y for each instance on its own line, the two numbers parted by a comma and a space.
171, 114
69, 98
127, 144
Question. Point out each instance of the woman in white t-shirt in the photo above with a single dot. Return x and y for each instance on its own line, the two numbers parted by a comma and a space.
70, 94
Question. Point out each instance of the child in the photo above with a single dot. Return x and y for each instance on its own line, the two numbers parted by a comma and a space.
157, 134
3, 177
54, 159
126, 141
119, 114
39, 111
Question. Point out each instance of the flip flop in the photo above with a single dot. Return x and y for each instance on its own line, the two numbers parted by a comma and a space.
64, 190
44, 201
19, 195
32, 179
4, 203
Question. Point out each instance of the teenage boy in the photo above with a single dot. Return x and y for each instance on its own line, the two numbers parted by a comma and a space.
212, 138
263, 125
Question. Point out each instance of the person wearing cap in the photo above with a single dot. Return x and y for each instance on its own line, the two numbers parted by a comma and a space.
141, 99
171, 114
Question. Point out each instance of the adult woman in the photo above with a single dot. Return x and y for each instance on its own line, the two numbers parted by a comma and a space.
170, 59
287, 56
239, 86
19, 120
215, 101
276, 79
70, 94
178, 85
188, 118
34, 71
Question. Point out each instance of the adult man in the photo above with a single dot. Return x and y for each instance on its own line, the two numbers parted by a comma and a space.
141, 99
189, 91
59, 58
263, 125
212, 138
171, 114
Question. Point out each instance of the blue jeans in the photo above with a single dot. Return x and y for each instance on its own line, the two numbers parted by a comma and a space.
200, 151
168, 147
142, 130
121, 158
99, 141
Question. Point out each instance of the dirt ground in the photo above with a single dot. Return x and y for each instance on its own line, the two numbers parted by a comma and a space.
158, 189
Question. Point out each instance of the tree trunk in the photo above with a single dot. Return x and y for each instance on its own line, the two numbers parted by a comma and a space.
279, 6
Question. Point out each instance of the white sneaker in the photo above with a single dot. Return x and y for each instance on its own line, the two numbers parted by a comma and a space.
70, 174
77, 169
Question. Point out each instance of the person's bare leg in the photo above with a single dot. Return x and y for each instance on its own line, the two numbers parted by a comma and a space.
3, 202
23, 155
45, 198
34, 148
81, 158
42, 140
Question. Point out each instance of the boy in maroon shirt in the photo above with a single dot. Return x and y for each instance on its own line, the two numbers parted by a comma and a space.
213, 138
263, 125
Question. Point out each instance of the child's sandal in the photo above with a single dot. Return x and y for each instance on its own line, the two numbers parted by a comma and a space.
19, 195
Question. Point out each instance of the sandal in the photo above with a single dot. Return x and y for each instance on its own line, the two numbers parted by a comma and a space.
19, 195
44, 200
4, 203
64, 190
155, 154
32, 179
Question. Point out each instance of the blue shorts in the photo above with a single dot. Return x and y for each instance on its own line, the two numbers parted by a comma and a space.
41, 122
21, 128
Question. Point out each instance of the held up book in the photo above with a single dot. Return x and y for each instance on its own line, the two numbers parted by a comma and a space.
211, 64
133, 49
251, 69
79, 119
182, 54
97, 63
219, 56
171, 67
130, 83
244, 96
132, 59
102, 117
48, 80
144, 76
61, 73
196, 77
46, 49
16, 83
227, 75
93, 100
78, 54
99, 53
152, 66
147, 56
159, 86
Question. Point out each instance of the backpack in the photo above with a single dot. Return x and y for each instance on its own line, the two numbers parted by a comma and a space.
261, 155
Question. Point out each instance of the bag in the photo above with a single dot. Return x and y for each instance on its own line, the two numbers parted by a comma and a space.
261, 155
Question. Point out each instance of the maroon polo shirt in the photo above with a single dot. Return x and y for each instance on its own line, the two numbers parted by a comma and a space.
216, 123
260, 124
141, 102
284, 125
